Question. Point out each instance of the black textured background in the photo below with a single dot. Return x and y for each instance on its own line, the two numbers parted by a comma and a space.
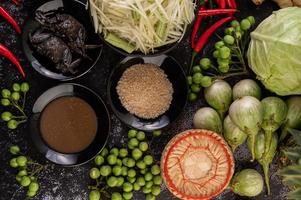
59, 183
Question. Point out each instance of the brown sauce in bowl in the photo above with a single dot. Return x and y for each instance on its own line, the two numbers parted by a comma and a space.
68, 124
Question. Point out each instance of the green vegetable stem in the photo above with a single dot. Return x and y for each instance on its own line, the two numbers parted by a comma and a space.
161, 31
120, 43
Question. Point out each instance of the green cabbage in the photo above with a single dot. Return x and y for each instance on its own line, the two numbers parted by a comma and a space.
274, 53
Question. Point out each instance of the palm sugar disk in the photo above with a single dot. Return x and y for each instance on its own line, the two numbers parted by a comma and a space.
145, 91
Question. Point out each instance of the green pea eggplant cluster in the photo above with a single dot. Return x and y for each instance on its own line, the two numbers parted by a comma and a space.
241, 114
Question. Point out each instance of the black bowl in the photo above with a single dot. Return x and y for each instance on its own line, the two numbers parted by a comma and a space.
158, 51
104, 124
42, 64
175, 74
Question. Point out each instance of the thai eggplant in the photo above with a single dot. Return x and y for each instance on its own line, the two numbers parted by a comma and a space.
265, 157
293, 117
274, 114
247, 114
219, 96
247, 182
232, 134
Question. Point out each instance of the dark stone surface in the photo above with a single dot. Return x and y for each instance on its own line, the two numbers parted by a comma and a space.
59, 183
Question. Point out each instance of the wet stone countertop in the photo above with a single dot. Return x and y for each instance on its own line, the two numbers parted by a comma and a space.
63, 183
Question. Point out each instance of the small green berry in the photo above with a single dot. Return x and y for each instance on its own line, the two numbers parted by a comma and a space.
5, 93
13, 163
127, 187
15, 96
196, 69
30, 193
229, 39
24, 87
99, 160
22, 173
94, 173
157, 180
223, 68
104, 152
197, 78
235, 23
143, 146
12, 124
137, 153
205, 63
14, 150
148, 159
16, 87
206, 81
192, 97
6, 116
5, 102
155, 170
114, 151
251, 20
132, 133
127, 195
123, 152
157, 133
112, 181
140, 135
94, 195
34, 186
245, 24
195, 88
112, 159
189, 80
22, 161
25, 181
116, 196
219, 44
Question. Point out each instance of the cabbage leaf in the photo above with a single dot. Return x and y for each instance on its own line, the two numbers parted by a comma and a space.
274, 52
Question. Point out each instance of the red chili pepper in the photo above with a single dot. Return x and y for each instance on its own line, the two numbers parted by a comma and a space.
231, 4
196, 26
10, 56
234, 3
216, 12
222, 4
203, 39
10, 19
218, 3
